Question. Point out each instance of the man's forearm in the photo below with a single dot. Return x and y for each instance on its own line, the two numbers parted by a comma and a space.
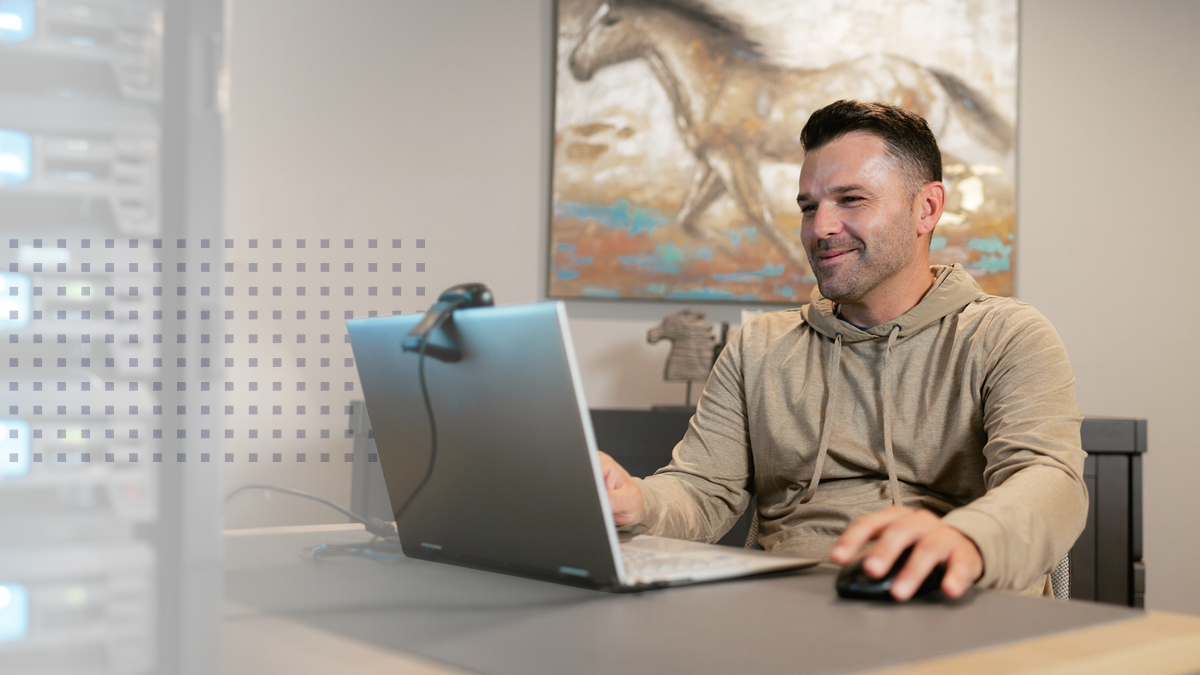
1025, 525
674, 507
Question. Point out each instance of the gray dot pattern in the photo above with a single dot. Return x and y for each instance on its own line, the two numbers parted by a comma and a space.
85, 343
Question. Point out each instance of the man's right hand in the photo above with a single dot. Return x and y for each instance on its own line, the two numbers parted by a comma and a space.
624, 496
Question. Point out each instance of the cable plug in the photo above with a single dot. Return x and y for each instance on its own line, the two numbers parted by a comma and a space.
381, 528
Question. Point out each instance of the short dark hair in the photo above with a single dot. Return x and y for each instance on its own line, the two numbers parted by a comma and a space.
905, 134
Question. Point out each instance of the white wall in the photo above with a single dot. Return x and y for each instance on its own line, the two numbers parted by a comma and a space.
433, 120
374, 119
1107, 235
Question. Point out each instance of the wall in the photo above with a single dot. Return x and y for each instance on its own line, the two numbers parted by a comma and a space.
429, 120
385, 120
1107, 235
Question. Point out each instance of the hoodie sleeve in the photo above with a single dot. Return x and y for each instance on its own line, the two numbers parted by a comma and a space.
1036, 501
702, 492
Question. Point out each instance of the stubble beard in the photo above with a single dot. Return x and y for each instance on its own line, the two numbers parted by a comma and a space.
876, 263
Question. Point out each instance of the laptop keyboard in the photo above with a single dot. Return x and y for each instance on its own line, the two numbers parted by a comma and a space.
644, 566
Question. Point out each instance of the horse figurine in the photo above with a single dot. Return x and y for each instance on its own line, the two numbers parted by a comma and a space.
734, 110
693, 346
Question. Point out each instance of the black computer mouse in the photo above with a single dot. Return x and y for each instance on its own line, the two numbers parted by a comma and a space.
854, 582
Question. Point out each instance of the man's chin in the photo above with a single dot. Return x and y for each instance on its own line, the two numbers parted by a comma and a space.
835, 282
828, 289
835, 292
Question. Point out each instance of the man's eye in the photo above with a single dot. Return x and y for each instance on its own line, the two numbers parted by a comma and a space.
851, 199
808, 209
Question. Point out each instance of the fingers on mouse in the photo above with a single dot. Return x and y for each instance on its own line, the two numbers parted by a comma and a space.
854, 582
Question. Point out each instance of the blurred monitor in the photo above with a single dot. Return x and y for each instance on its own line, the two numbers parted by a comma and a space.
17, 18
16, 156
14, 612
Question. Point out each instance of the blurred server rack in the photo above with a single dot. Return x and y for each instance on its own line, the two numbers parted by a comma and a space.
89, 497
84, 608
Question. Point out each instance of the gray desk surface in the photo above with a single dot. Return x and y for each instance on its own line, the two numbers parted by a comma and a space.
493, 623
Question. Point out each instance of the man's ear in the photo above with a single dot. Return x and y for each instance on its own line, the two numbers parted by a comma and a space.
928, 206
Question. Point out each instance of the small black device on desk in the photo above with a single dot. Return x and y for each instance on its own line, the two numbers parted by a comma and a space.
854, 582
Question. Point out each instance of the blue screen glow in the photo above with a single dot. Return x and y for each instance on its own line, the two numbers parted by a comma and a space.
16, 156
17, 19
14, 448
14, 612
16, 302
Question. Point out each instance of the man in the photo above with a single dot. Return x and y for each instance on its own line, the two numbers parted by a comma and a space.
902, 406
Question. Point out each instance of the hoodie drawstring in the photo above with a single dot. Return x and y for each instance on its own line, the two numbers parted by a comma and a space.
889, 456
834, 378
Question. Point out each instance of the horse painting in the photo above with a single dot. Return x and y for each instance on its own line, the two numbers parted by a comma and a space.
734, 110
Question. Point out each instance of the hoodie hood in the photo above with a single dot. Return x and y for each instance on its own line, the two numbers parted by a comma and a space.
952, 290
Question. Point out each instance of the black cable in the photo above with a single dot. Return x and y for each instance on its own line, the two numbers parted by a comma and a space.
373, 525
429, 413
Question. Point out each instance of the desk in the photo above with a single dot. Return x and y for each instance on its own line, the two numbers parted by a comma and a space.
286, 614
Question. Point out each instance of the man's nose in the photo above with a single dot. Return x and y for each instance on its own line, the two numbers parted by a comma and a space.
825, 223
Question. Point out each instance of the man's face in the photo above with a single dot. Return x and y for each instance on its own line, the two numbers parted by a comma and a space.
857, 217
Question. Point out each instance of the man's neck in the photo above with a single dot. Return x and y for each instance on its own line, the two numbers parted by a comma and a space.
887, 303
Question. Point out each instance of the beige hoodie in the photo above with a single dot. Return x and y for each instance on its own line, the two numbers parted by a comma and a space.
965, 406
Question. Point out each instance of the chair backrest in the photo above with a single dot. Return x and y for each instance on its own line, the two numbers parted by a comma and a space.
1060, 578
752, 535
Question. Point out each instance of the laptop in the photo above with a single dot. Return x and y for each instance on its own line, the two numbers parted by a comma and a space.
516, 485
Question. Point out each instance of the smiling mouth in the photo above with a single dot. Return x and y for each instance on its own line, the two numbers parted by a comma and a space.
831, 256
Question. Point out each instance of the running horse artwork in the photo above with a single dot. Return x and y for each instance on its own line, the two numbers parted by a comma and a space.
734, 112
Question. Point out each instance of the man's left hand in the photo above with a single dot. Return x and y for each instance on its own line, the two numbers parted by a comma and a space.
898, 527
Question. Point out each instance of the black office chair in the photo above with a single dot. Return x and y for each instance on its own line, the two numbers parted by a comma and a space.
1060, 576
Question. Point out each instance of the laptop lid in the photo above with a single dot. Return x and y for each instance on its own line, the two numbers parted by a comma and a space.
516, 484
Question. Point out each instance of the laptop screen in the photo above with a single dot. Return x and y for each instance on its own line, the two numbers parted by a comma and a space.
516, 484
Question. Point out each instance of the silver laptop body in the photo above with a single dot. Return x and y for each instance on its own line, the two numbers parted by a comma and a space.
516, 486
